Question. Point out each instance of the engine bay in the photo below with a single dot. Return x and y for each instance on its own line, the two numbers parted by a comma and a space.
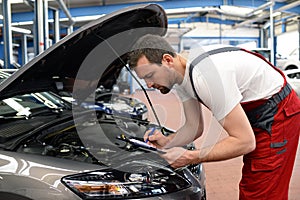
86, 142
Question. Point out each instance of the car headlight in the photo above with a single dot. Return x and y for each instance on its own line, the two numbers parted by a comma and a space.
115, 184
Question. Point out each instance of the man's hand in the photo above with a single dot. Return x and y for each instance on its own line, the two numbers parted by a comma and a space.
179, 157
156, 138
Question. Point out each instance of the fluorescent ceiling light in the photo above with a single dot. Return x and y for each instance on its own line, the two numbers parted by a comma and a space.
257, 12
76, 19
21, 30
275, 14
189, 10
236, 10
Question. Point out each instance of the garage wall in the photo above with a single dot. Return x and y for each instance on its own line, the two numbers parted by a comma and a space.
205, 34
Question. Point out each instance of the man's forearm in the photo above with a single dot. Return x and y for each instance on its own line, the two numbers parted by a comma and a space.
181, 138
228, 148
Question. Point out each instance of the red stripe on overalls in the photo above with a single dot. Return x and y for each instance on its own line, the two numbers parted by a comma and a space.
267, 170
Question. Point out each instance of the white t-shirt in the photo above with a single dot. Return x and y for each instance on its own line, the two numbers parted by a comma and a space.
225, 79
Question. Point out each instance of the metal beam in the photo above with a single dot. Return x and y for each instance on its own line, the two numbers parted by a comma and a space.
288, 6
272, 39
250, 21
24, 49
260, 8
63, 6
46, 24
39, 27
7, 34
56, 25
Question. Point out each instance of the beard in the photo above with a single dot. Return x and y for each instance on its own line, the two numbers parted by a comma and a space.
164, 90
161, 88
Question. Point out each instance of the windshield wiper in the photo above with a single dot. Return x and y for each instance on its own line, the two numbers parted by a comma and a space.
21, 111
53, 107
13, 117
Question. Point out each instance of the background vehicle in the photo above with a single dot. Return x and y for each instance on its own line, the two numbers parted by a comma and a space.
264, 52
54, 149
282, 62
289, 62
293, 77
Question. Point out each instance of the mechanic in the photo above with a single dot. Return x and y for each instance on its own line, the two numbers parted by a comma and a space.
248, 96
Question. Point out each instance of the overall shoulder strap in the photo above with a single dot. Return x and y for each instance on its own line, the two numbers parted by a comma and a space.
203, 56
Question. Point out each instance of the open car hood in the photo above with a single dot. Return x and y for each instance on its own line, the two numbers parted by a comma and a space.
94, 54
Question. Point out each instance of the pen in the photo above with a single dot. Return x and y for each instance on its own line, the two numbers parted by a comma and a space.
151, 133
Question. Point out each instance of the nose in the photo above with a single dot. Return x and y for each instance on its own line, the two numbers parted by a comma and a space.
149, 84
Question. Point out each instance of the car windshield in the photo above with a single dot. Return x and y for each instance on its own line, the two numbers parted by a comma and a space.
3, 76
29, 104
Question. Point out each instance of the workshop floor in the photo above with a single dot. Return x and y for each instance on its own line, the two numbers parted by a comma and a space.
222, 178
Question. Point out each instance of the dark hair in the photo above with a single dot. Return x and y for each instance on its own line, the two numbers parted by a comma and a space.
151, 46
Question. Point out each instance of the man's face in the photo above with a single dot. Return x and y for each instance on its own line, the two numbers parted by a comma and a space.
155, 75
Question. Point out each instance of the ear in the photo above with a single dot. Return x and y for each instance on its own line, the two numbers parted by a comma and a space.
167, 58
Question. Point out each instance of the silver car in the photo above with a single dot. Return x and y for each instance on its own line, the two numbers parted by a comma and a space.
51, 148
293, 77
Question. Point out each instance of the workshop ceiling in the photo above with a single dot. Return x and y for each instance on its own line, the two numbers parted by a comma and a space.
255, 13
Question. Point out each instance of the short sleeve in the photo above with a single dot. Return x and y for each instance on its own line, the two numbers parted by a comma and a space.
217, 87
